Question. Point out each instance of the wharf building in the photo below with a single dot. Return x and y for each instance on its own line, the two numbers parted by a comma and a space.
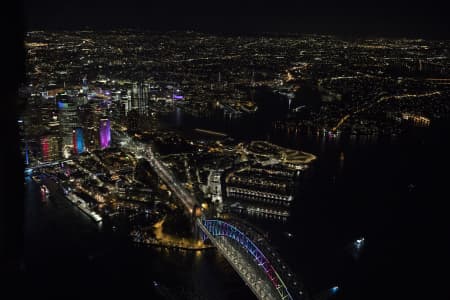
261, 191
254, 195
214, 186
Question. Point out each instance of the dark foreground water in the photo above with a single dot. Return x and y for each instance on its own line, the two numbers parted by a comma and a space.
66, 254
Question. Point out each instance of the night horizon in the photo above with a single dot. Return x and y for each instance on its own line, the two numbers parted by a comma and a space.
349, 18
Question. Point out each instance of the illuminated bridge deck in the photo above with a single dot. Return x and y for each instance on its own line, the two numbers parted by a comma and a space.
247, 260
248, 270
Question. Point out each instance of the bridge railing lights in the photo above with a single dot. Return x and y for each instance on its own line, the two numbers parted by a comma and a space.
221, 228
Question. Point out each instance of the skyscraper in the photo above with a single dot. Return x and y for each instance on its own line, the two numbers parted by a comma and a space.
78, 140
68, 118
140, 98
50, 148
85, 85
105, 133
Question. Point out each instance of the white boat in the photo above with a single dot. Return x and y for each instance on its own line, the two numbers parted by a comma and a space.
81, 204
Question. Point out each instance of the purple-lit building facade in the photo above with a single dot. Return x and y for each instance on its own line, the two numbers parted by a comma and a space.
177, 95
105, 133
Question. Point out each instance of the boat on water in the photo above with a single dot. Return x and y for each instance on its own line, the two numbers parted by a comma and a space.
359, 243
357, 246
288, 234
44, 192
81, 204
164, 291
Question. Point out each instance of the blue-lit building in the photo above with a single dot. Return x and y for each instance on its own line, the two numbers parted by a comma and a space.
68, 120
78, 140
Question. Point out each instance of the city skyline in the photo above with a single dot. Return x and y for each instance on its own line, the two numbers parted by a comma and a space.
291, 151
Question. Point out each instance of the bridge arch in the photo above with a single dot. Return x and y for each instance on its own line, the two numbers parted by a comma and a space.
221, 228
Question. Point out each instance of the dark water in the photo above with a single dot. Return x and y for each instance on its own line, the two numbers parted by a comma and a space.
67, 254
389, 190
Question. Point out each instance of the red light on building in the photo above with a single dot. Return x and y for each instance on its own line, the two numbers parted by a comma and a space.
45, 148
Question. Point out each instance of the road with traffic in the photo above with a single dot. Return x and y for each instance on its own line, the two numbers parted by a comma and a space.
142, 150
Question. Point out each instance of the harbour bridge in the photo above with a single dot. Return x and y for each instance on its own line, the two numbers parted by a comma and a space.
246, 259
239, 250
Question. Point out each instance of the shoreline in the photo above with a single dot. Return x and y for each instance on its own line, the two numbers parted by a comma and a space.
169, 246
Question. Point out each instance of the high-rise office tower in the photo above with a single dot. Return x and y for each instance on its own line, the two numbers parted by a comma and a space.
140, 97
85, 85
50, 148
68, 119
78, 140
134, 97
105, 133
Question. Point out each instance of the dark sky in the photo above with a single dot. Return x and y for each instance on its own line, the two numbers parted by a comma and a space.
382, 18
